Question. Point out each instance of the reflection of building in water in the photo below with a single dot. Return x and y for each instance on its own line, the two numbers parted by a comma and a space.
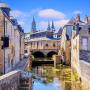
38, 70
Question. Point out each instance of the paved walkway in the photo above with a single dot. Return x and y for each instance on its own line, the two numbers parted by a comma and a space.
21, 65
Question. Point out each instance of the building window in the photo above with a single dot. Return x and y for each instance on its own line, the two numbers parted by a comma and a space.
54, 45
89, 30
46, 45
84, 43
25, 51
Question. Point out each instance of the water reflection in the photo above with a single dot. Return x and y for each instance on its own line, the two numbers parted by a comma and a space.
47, 77
52, 78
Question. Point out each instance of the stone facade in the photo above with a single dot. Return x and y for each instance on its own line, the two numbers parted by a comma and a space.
11, 42
65, 47
85, 43
44, 45
1, 43
75, 64
84, 35
80, 51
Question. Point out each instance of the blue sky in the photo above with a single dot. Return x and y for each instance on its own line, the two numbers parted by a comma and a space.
58, 10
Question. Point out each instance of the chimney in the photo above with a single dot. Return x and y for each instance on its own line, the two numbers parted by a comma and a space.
78, 18
86, 19
5, 8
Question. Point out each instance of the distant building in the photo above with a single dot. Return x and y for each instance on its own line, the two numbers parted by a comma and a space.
49, 33
33, 27
43, 42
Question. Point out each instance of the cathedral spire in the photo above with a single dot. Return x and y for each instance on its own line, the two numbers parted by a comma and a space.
33, 28
48, 28
52, 27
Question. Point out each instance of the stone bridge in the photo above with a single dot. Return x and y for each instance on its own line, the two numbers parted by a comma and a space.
43, 52
42, 47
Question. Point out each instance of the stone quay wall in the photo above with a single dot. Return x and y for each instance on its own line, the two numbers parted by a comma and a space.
85, 73
10, 81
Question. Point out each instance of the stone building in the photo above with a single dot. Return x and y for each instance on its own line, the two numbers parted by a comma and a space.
43, 46
80, 53
42, 43
75, 51
10, 34
79, 37
84, 28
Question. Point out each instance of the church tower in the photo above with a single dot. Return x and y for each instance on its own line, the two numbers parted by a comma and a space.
33, 27
53, 27
48, 28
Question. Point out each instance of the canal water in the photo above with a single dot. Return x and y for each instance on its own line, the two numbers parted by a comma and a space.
47, 77
50, 78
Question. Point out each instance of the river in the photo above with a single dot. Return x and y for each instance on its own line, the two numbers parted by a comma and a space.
51, 78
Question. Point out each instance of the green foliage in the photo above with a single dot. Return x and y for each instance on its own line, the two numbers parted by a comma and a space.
75, 76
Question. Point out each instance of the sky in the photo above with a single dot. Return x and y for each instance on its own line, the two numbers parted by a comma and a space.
60, 11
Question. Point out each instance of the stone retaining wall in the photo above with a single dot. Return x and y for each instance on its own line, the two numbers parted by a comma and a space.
10, 81
85, 73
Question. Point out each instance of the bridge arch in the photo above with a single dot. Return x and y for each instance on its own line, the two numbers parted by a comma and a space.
38, 54
51, 53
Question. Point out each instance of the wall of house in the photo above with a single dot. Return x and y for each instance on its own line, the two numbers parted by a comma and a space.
9, 51
17, 45
85, 44
1, 43
22, 45
75, 64
85, 34
12, 53
63, 39
68, 52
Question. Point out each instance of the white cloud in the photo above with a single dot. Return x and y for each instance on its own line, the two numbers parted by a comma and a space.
51, 13
19, 14
21, 22
77, 12
34, 11
58, 24
61, 22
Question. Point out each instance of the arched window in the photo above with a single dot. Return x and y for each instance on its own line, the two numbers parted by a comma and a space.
46, 45
54, 45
